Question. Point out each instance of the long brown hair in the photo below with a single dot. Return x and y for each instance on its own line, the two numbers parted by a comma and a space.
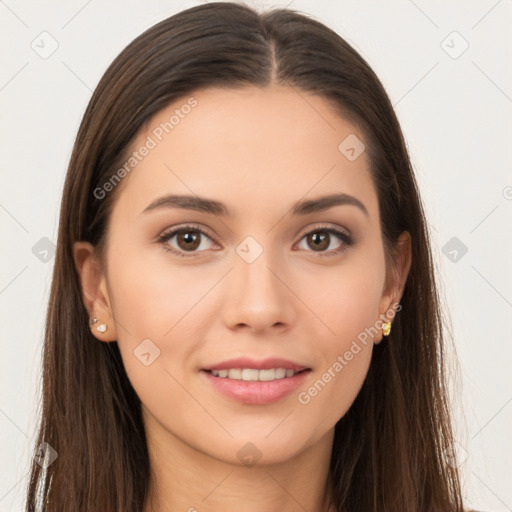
388, 448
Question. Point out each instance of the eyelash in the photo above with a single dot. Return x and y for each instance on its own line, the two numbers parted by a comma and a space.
167, 235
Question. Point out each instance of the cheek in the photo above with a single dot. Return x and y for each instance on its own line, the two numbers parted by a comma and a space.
152, 297
347, 299
162, 310
334, 388
346, 357
349, 306
156, 306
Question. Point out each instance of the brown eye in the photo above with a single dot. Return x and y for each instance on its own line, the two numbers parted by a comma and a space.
318, 242
323, 241
188, 240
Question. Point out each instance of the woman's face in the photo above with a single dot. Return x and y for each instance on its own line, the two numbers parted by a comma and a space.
257, 272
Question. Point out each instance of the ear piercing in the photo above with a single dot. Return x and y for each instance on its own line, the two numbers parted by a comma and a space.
386, 328
99, 328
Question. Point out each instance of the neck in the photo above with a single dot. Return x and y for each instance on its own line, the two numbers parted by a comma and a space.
184, 479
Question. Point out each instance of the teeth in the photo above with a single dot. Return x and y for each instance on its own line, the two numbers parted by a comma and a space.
236, 373
248, 374
267, 374
251, 374
280, 373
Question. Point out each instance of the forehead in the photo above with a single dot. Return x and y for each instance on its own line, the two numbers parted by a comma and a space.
248, 147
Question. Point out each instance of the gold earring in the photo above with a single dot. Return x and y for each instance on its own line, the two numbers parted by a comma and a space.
386, 328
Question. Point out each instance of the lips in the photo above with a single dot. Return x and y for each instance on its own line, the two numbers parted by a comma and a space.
253, 382
265, 364
253, 374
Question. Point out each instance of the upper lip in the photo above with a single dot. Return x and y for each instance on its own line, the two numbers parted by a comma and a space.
263, 364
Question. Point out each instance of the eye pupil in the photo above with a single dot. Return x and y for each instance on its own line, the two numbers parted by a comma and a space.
319, 241
187, 238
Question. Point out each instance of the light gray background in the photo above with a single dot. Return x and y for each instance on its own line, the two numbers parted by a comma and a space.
455, 109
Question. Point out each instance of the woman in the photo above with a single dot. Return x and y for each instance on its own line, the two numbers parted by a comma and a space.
244, 312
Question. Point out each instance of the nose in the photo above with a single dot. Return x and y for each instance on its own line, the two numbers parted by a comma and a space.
257, 296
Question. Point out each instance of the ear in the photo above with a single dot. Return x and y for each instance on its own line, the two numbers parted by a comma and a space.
396, 278
94, 291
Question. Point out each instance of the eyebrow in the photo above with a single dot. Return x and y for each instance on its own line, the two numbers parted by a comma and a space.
213, 207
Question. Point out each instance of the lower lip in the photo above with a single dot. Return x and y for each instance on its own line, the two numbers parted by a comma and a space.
257, 392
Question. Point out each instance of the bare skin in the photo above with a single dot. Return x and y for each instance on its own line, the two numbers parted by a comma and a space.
258, 151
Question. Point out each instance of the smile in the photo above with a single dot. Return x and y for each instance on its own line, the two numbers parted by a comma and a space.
252, 374
255, 387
